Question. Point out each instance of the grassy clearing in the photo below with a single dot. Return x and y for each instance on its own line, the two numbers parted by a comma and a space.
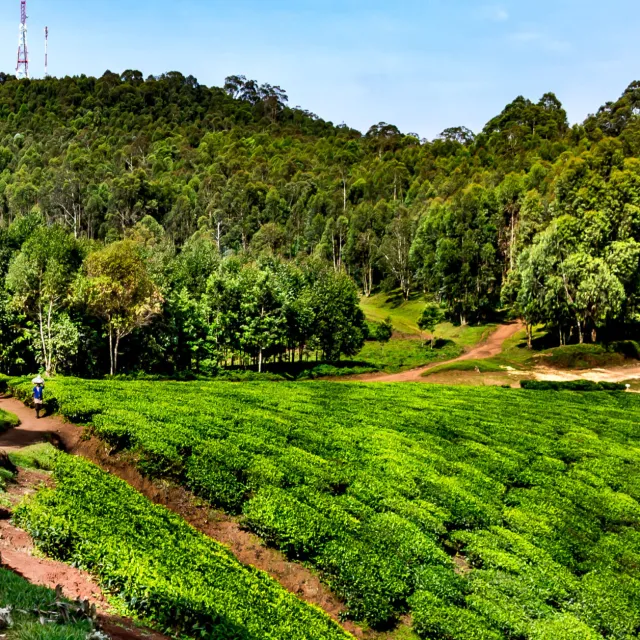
404, 314
377, 486
29, 604
404, 353
483, 366
401, 354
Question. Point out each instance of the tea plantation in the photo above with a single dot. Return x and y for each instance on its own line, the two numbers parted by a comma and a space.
158, 566
485, 513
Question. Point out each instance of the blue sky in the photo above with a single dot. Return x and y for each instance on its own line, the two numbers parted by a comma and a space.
422, 65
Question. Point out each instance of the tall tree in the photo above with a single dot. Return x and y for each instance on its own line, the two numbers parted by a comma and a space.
117, 287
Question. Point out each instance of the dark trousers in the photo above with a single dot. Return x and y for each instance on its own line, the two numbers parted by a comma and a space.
38, 409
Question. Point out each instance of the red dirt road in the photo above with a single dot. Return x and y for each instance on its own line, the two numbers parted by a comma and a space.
31, 431
491, 347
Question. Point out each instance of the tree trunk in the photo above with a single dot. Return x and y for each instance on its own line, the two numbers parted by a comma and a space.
49, 354
115, 354
260, 361
529, 336
594, 335
111, 350
42, 338
580, 334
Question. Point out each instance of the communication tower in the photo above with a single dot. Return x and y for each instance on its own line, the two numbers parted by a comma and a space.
22, 68
46, 52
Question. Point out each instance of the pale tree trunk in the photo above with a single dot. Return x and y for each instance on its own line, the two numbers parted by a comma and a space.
529, 336
111, 349
115, 353
260, 360
218, 235
49, 354
512, 242
42, 338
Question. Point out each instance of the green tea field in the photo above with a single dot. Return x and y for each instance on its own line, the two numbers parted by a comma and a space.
483, 513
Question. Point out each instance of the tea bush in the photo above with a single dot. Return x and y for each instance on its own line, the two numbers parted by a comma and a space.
159, 566
378, 486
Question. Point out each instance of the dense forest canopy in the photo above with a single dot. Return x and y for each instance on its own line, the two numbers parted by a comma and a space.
238, 219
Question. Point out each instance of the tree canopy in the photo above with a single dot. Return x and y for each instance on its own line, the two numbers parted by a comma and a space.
232, 184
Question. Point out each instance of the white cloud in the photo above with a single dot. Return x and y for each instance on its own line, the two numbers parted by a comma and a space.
541, 40
494, 12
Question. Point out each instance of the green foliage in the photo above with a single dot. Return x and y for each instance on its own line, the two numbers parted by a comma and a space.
8, 420
370, 484
383, 331
572, 385
157, 565
432, 315
583, 356
29, 603
37, 456
529, 213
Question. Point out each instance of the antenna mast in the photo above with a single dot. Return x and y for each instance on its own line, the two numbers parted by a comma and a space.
46, 52
22, 68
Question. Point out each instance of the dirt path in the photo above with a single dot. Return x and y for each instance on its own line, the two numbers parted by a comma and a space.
227, 530
492, 346
31, 431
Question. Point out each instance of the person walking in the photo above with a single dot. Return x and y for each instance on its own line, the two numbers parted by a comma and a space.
38, 395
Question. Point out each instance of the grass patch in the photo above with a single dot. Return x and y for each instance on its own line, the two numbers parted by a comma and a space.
467, 336
398, 354
403, 313
38, 456
5, 477
8, 420
29, 603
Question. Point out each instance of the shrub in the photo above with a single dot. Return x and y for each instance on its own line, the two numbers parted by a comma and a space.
433, 618
571, 385
158, 566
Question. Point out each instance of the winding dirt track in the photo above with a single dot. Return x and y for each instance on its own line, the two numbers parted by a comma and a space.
492, 346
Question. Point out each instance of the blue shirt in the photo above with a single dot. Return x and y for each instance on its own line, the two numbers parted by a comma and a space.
38, 393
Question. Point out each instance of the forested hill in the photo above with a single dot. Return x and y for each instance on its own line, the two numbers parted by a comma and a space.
531, 212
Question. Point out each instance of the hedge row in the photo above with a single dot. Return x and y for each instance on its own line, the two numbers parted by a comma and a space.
571, 385
377, 485
157, 565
